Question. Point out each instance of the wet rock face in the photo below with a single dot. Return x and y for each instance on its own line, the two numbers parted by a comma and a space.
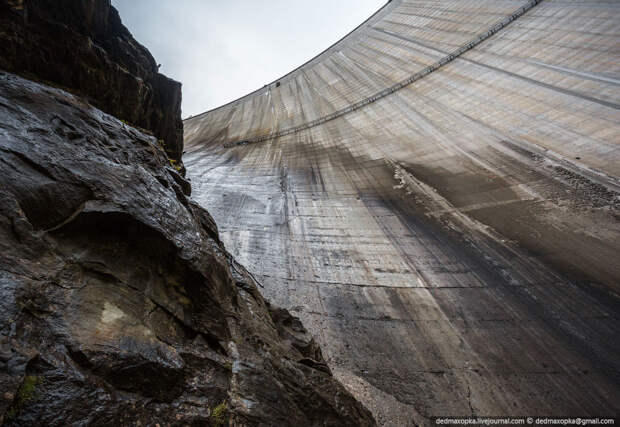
82, 45
118, 304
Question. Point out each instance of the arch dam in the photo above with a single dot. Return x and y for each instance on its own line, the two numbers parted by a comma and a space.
436, 196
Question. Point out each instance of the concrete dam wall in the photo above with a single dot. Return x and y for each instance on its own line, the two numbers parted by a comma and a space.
436, 196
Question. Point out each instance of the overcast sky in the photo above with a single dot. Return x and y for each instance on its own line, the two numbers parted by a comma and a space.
223, 49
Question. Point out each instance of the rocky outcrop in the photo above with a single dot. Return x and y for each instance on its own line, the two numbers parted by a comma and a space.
118, 303
84, 47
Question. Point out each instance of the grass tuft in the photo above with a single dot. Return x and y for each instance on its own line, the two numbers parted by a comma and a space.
219, 415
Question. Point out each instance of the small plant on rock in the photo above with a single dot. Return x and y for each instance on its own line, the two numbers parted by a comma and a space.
219, 415
25, 393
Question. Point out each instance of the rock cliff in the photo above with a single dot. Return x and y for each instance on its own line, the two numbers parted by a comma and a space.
83, 46
118, 303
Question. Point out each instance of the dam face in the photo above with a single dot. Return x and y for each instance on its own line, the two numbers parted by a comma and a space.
436, 197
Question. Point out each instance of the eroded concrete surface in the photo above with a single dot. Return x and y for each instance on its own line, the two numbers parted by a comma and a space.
454, 247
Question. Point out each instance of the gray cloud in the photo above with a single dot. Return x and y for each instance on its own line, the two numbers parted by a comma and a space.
221, 50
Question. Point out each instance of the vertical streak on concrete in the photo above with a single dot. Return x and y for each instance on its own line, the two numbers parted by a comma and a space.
453, 245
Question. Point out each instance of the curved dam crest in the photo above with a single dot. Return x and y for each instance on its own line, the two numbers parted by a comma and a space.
453, 245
